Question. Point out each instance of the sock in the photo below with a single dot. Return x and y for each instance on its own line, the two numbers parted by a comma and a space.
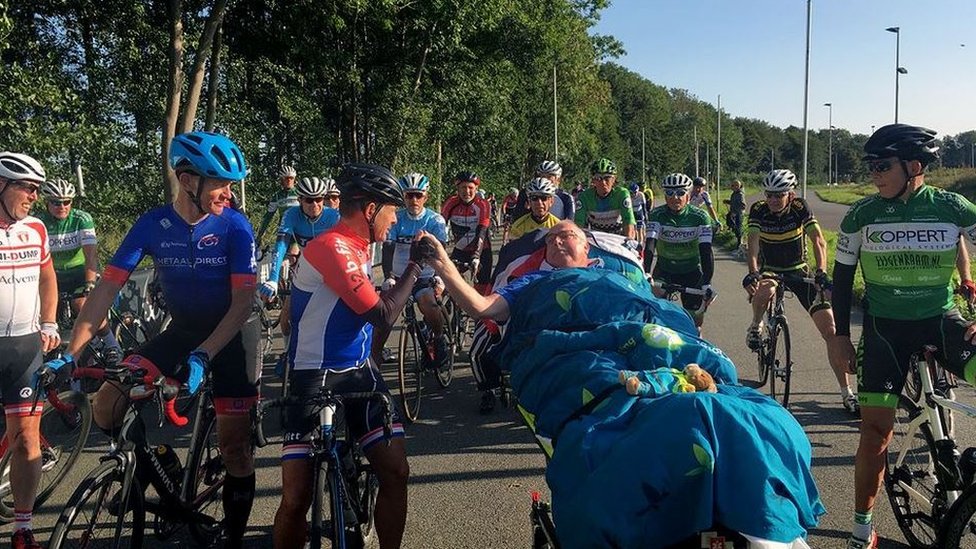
22, 520
846, 392
238, 496
862, 526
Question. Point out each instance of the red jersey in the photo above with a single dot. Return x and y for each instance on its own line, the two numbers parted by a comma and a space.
464, 221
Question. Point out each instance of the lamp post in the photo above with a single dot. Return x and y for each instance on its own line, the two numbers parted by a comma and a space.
830, 140
806, 100
899, 70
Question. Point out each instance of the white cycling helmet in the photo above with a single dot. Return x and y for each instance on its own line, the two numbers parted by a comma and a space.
20, 167
778, 181
310, 187
58, 189
330, 186
415, 182
540, 185
512, 190
287, 171
677, 181
549, 167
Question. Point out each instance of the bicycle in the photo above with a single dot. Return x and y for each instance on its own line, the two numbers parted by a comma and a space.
672, 292
461, 324
416, 356
340, 469
109, 506
65, 425
774, 355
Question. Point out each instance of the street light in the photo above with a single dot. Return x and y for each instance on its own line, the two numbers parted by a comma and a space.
899, 70
830, 142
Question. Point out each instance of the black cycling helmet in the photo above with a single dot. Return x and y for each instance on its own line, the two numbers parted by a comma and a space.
904, 141
467, 177
371, 182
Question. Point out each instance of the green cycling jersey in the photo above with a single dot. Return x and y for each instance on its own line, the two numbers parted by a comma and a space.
280, 202
677, 236
67, 237
608, 214
907, 250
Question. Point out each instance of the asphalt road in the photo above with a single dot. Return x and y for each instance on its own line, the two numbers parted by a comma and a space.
471, 475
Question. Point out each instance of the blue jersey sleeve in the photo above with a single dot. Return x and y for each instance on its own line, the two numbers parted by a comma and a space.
243, 268
134, 247
438, 227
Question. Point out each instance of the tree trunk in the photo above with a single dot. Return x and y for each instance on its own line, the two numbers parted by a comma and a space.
174, 92
199, 64
212, 81
405, 107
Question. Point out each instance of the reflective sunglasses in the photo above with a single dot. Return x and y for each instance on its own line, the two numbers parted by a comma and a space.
313, 199
538, 197
31, 188
775, 194
675, 192
879, 166
414, 196
60, 202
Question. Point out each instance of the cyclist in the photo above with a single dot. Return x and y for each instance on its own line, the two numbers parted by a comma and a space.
541, 193
563, 204
906, 239
639, 202
775, 243
604, 207
285, 198
71, 237
299, 225
204, 258
509, 204
30, 303
649, 195
336, 318
680, 235
737, 205
701, 198
467, 217
396, 254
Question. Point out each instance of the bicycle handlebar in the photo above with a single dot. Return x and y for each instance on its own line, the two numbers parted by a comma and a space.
323, 399
145, 385
690, 290
782, 277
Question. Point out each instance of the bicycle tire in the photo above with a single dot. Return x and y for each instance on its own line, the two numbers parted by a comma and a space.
917, 472
206, 473
780, 362
105, 482
445, 372
368, 487
63, 437
411, 370
316, 527
961, 521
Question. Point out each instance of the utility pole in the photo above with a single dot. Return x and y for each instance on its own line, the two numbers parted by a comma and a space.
643, 158
555, 119
806, 101
718, 155
696, 149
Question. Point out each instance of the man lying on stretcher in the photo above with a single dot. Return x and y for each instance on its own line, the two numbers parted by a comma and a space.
647, 469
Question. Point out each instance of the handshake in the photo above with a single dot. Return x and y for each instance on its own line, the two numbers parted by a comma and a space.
423, 249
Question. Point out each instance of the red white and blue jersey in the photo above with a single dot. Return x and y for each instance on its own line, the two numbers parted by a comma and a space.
331, 292
24, 251
464, 220
197, 265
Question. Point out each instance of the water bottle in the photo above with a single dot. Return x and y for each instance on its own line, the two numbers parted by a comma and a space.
171, 464
967, 465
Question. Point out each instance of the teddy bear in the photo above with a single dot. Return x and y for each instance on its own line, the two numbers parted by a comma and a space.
667, 380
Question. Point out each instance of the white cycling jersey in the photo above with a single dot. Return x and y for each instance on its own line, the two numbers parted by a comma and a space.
23, 252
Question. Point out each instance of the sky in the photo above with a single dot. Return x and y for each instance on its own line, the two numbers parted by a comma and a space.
751, 52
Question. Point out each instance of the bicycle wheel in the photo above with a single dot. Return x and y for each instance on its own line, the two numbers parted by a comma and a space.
98, 516
63, 437
445, 371
364, 495
459, 323
411, 370
909, 477
959, 528
780, 362
205, 473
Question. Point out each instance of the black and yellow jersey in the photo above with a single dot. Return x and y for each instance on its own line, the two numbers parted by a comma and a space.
781, 245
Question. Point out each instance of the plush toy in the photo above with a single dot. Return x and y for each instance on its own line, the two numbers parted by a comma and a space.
701, 379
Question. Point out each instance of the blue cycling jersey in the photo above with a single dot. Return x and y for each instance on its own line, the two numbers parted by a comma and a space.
299, 228
405, 228
197, 265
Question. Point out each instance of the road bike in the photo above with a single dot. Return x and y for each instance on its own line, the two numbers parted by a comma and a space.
345, 486
65, 425
108, 508
416, 355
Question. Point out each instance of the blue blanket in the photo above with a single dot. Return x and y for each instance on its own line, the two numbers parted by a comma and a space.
652, 470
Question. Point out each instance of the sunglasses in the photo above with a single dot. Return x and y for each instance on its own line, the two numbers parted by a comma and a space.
879, 166
313, 199
775, 195
31, 188
562, 235
675, 192
414, 196
603, 177
538, 197
59, 202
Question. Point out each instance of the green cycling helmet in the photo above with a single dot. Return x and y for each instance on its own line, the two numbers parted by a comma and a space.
604, 166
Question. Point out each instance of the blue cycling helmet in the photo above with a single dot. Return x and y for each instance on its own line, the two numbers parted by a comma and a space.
414, 182
208, 154
634, 187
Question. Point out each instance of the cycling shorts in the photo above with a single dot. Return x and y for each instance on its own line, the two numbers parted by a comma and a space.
71, 281
485, 266
691, 279
806, 292
364, 418
887, 345
20, 359
234, 393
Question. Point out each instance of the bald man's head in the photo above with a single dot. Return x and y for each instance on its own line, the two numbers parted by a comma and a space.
566, 246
